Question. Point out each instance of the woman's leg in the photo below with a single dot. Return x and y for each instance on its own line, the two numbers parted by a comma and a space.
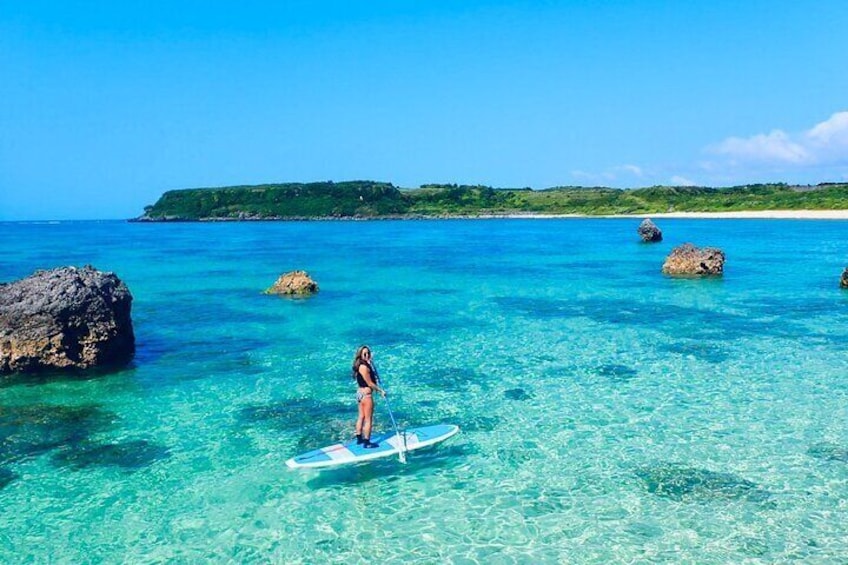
360, 420
367, 408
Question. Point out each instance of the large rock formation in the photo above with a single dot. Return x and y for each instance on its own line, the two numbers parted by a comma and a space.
843, 282
649, 232
689, 260
66, 318
297, 283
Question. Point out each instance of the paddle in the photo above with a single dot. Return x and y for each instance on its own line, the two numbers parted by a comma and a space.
402, 438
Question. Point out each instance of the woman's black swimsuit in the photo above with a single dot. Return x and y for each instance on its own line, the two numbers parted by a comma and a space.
360, 380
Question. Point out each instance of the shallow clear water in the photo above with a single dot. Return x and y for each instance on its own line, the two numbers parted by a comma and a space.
608, 413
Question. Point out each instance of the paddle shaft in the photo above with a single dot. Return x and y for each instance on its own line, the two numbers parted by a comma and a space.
402, 438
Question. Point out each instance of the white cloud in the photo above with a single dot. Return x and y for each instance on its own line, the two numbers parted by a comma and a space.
604, 176
816, 154
776, 146
582, 175
633, 169
610, 175
830, 137
678, 180
825, 143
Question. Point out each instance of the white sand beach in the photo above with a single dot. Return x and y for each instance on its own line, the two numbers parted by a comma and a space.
749, 214
765, 214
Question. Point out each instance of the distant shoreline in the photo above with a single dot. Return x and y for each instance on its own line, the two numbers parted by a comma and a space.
740, 215
355, 200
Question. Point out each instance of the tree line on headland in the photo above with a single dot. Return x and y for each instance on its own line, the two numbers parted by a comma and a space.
371, 199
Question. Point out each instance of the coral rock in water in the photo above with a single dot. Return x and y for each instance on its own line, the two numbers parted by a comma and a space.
649, 232
689, 260
294, 283
66, 318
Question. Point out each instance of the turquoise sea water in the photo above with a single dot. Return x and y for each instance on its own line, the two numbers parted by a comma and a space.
608, 413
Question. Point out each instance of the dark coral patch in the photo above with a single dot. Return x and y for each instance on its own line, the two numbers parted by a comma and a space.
27, 431
703, 351
480, 423
674, 320
6, 477
539, 308
450, 379
829, 452
130, 455
438, 321
619, 373
295, 414
309, 422
221, 355
687, 483
378, 338
517, 394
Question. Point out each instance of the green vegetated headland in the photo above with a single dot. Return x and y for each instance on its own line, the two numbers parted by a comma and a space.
370, 199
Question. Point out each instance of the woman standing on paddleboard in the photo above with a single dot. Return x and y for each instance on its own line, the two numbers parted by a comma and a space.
366, 379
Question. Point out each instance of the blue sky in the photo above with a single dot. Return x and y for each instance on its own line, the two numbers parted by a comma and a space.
105, 105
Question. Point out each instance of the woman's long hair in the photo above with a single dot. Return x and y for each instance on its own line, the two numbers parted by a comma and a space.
358, 360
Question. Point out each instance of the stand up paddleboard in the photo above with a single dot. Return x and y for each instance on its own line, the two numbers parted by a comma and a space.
391, 443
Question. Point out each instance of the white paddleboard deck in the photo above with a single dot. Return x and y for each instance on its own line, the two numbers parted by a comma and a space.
390, 443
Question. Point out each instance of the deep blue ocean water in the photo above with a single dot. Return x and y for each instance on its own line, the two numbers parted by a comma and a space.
608, 413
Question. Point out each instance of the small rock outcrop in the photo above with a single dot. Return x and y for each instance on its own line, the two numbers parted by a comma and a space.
66, 318
688, 260
843, 282
649, 232
295, 283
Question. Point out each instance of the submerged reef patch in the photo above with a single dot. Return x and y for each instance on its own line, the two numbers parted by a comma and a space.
617, 373
689, 483
219, 355
514, 457
480, 423
829, 452
295, 414
539, 308
441, 321
676, 321
313, 423
129, 455
451, 379
517, 394
28, 431
380, 338
6, 477
708, 352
